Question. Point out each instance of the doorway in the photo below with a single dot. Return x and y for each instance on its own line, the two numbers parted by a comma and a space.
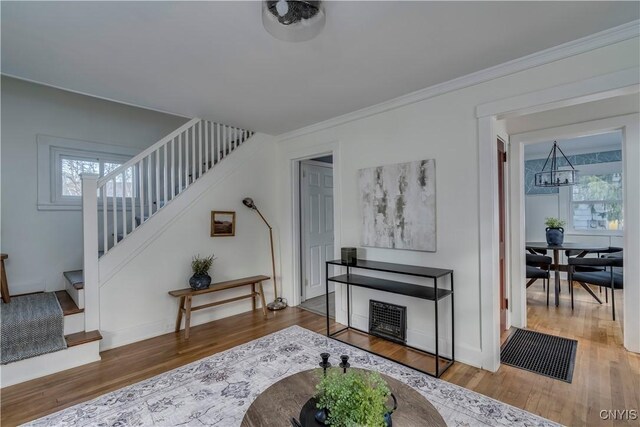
316, 233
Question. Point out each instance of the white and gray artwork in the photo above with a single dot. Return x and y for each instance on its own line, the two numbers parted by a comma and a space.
398, 205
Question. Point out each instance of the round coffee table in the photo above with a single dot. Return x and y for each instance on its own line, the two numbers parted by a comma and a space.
283, 400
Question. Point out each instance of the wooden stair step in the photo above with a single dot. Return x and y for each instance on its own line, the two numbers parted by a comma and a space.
67, 304
75, 278
82, 338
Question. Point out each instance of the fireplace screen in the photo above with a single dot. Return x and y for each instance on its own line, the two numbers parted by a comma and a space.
388, 321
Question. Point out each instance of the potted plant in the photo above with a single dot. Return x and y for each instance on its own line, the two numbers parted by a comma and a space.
201, 267
353, 398
555, 230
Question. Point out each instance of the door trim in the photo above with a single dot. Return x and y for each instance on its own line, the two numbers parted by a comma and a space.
303, 297
600, 87
290, 233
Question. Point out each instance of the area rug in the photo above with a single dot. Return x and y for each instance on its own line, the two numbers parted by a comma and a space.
218, 390
31, 325
543, 354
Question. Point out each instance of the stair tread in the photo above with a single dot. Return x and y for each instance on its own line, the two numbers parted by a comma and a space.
75, 278
82, 338
67, 304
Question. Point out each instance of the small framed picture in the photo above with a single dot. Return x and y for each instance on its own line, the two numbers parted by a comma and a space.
223, 224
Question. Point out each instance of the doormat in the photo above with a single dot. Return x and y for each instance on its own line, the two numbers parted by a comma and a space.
543, 354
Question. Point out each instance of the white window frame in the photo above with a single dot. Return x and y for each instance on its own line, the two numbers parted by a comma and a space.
52, 149
566, 199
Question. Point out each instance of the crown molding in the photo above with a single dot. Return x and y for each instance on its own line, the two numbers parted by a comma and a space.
594, 41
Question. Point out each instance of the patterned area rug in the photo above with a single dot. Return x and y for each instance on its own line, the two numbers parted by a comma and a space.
218, 390
31, 325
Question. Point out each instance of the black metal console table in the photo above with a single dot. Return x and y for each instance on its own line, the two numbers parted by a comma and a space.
429, 293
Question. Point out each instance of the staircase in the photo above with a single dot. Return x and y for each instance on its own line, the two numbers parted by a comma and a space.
114, 208
82, 346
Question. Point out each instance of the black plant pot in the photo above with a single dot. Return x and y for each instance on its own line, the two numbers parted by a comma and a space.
200, 281
555, 236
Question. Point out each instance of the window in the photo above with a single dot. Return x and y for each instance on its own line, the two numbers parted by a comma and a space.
61, 163
596, 199
69, 170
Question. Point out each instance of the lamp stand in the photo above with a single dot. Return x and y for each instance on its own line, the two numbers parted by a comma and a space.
278, 303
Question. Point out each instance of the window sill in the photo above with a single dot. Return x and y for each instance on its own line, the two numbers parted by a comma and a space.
77, 207
613, 233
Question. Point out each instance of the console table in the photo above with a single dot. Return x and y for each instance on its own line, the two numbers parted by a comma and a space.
428, 293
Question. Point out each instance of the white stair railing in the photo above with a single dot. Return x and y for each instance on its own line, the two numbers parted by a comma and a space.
135, 191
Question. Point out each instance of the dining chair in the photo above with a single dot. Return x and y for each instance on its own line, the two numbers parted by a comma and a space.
539, 267
608, 279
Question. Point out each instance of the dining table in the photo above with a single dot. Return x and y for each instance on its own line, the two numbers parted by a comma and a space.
584, 249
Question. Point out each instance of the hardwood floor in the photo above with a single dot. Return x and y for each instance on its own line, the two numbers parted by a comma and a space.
606, 376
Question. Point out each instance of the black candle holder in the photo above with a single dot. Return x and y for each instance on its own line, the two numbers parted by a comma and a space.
324, 364
344, 364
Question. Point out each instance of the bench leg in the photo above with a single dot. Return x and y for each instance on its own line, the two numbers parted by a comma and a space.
253, 296
264, 303
187, 317
179, 319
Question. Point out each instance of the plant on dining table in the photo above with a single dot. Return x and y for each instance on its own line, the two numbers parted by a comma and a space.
555, 230
552, 222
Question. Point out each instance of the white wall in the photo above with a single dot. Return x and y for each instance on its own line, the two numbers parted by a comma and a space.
43, 244
443, 128
134, 303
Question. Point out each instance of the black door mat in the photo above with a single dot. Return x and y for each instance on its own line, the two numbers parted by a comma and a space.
543, 354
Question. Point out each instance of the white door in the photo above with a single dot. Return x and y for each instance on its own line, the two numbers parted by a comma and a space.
316, 210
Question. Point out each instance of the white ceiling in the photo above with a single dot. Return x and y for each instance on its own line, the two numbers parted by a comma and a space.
216, 61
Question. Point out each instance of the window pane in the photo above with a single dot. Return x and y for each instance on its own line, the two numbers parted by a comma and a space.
597, 216
597, 202
71, 171
598, 187
128, 181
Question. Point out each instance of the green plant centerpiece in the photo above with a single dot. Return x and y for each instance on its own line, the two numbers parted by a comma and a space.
555, 230
353, 398
200, 267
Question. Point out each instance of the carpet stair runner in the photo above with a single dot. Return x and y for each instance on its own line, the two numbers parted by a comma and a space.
31, 325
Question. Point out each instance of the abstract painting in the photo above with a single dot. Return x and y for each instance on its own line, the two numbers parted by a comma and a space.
398, 205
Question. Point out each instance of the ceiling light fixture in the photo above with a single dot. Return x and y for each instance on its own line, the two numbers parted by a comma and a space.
293, 20
555, 177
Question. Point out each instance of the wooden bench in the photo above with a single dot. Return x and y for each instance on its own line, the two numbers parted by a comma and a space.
186, 295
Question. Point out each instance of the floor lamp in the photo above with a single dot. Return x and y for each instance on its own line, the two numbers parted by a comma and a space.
278, 303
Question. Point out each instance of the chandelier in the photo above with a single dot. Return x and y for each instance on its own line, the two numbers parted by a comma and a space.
555, 177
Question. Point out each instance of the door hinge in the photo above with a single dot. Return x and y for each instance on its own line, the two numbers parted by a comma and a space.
504, 157
506, 303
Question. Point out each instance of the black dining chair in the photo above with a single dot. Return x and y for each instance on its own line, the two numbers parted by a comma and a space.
538, 267
609, 276
575, 252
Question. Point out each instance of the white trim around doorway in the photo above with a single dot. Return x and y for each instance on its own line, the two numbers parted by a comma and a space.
601, 87
291, 283
624, 123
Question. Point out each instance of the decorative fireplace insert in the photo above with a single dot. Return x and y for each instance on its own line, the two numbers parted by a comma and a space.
388, 321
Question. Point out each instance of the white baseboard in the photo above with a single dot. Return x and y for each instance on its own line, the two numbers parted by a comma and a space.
118, 338
426, 341
47, 364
